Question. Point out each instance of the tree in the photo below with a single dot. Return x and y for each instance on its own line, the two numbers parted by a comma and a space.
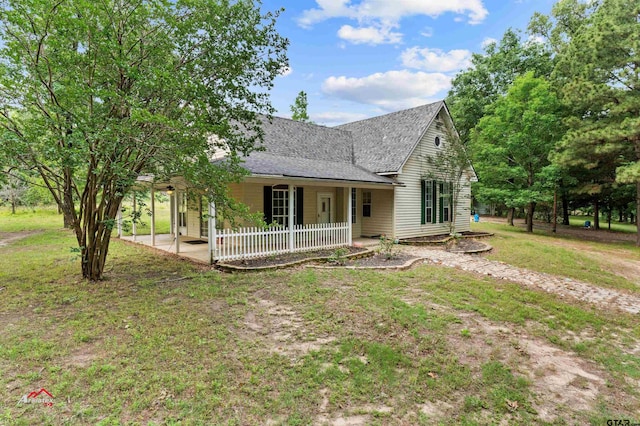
601, 83
299, 108
95, 93
490, 76
511, 145
13, 191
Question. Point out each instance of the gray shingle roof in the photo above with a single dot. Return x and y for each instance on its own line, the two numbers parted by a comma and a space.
383, 144
290, 138
379, 144
263, 163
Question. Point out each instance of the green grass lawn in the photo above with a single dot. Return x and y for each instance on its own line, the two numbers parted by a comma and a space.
161, 341
615, 225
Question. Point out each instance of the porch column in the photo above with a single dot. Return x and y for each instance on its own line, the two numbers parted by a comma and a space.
119, 221
292, 209
133, 226
176, 221
212, 231
349, 217
153, 217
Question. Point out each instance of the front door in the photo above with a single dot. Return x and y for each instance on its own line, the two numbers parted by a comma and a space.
325, 207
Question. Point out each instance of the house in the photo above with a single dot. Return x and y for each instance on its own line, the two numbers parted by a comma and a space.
323, 187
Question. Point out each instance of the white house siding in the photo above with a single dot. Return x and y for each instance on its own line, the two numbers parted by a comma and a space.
251, 194
408, 198
381, 220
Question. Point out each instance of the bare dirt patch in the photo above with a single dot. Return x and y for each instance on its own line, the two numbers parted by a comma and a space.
7, 238
280, 328
560, 380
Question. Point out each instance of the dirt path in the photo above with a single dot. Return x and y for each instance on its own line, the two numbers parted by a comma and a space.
7, 238
561, 286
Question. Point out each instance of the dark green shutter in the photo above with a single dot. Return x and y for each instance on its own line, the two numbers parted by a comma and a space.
299, 204
422, 202
434, 197
441, 186
267, 205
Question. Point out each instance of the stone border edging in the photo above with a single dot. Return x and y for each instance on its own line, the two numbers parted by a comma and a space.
443, 241
231, 268
486, 248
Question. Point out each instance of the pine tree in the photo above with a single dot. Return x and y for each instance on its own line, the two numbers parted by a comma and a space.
601, 84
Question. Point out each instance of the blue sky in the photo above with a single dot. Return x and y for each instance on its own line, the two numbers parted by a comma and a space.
361, 58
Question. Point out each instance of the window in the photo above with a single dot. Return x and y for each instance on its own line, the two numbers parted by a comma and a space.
428, 202
366, 204
276, 205
280, 206
445, 202
437, 142
354, 207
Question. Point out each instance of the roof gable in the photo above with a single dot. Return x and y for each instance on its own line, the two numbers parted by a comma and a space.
383, 144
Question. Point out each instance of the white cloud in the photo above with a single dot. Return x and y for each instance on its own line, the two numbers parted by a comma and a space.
427, 32
435, 59
334, 118
391, 11
487, 41
375, 34
286, 71
391, 90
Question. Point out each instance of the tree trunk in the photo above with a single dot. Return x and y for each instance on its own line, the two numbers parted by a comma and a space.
510, 215
530, 209
596, 215
554, 226
637, 213
565, 208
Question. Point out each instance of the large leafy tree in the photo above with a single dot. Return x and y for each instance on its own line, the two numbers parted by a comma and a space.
490, 75
511, 145
600, 71
94, 93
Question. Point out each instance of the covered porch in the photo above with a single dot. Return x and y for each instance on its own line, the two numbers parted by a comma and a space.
302, 216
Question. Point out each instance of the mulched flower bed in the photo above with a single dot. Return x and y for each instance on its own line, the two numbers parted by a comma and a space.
379, 260
283, 259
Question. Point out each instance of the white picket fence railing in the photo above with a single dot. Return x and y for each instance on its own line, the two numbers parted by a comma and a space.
245, 243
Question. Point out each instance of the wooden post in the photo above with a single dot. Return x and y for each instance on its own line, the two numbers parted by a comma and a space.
153, 217
349, 216
176, 221
212, 232
292, 209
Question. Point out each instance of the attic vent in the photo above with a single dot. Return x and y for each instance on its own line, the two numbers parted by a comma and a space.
439, 124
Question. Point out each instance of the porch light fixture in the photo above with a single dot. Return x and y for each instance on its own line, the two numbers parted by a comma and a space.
170, 190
